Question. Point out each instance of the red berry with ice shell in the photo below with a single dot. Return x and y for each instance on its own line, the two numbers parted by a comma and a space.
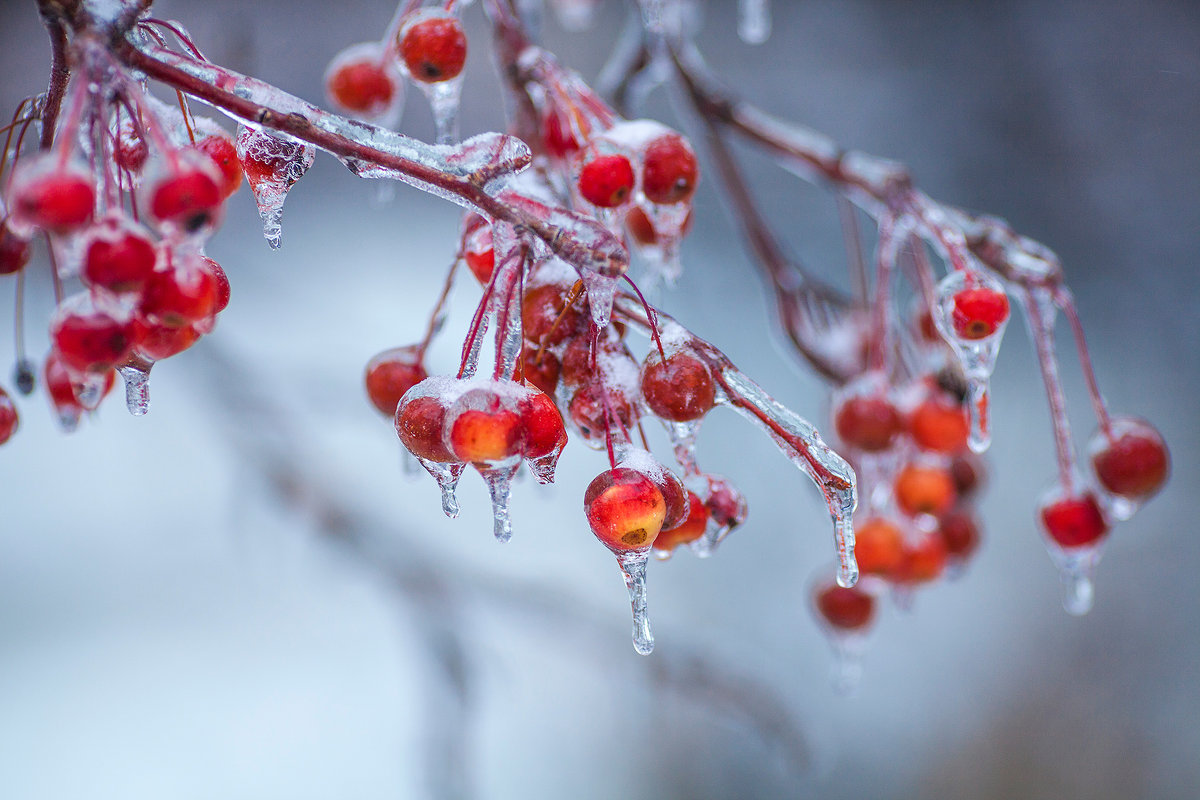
669, 170
433, 46
1131, 461
624, 509
390, 375
1073, 520
680, 388
8, 417
221, 149
50, 196
358, 81
14, 250
844, 609
118, 256
606, 181
91, 335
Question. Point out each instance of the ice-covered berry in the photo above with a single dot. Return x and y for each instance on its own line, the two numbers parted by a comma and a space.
433, 47
624, 509
680, 388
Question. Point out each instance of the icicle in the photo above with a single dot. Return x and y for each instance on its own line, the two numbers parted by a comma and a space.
1075, 570
444, 99
499, 481
600, 293
543, 467
979, 438
273, 165
683, 439
754, 20
842, 503
633, 567
137, 386
447, 476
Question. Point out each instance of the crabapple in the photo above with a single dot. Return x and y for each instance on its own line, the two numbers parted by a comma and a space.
52, 198
545, 316
14, 251
669, 170
587, 410
390, 375
189, 194
90, 337
624, 509
878, 547
118, 257
1073, 520
689, 530
223, 152
8, 417
433, 48
544, 432
923, 560
606, 180
978, 312
358, 81
868, 422
922, 489
679, 389
155, 341
939, 425
960, 534
483, 428
847, 609
420, 420
1132, 461
183, 292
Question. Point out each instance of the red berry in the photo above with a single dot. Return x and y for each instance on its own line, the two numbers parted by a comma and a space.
419, 424
558, 137
587, 410
960, 534
541, 308
131, 151
967, 471
878, 547
8, 417
541, 370
924, 490
725, 503
485, 429
978, 312
675, 496
577, 362
1074, 521
91, 339
14, 251
223, 152
680, 389
642, 229
624, 509
156, 341
868, 422
1134, 464
544, 432
360, 84
477, 248
434, 49
272, 161
188, 196
59, 201
61, 388
119, 258
222, 298
390, 375
183, 292
940, 425
923, 561
845, 609
606, 181
669, 170
689, 530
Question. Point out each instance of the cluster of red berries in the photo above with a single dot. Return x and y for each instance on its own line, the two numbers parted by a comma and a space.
131, 230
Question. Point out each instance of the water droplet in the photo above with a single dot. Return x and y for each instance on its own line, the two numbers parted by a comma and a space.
137, 387
633, 567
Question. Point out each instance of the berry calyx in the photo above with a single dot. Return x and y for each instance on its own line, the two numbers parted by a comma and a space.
485, 430
624, 509
1134, 464
606, 181
669, 170
878, 547
680, 389
14, 251
689, 530
847, 609
390, 375
420, 421
868, 422
433, 49
118, 258
60, 201
223, 152
360, 85
924, 490
978, 312
8, 417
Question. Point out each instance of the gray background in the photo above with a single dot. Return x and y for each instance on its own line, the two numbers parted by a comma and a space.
241, 596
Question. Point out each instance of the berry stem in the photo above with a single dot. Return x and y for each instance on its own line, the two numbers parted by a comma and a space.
1065, 301
438, 316
60, 74
1039, 310
178, 33
650, 318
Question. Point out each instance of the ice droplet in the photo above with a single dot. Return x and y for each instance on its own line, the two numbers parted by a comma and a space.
980, 433
499, 482
1075, 570
272, 164
89, 390
543, 467
633, 567
683, 440
137, 387
754, 20
444, 99
447, 476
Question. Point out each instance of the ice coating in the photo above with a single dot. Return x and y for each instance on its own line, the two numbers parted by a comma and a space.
754, 20
504, 303
447, 476
137, 387
1076, 568
802, 444
273, 164
575, 16
444, 97
572, 236
499, 482
633, 568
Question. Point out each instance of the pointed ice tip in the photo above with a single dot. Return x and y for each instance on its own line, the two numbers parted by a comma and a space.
1078, 594
644, 645
847, 576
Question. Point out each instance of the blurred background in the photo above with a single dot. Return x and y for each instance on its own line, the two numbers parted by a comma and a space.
242, 595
